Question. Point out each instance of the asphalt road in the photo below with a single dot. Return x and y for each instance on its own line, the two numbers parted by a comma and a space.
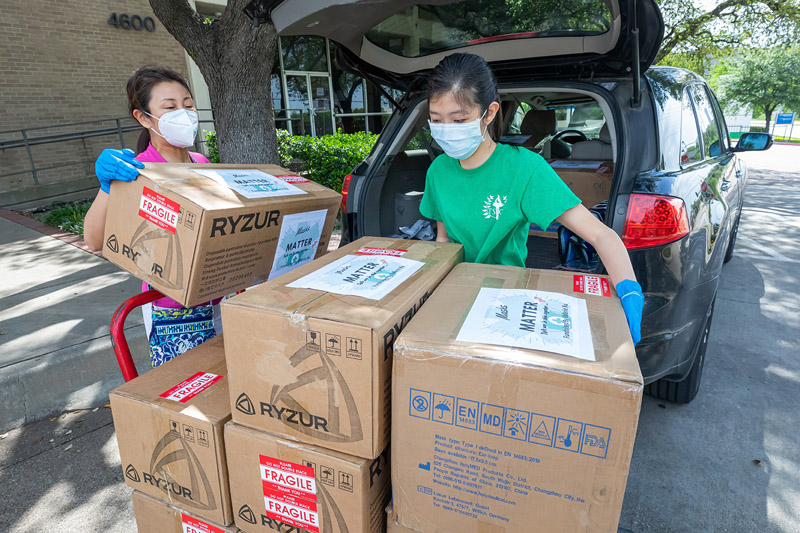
729, 461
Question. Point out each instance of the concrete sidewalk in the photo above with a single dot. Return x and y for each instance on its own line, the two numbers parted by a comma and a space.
56, 302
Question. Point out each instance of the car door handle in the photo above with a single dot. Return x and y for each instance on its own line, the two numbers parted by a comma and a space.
726, 184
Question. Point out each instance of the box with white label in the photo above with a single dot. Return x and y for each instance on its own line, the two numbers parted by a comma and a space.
169, 430
281, 485
515, 401
309, 354
155, 516
199, 231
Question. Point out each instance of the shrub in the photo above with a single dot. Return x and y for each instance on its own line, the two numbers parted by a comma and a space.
66, 217
325, 159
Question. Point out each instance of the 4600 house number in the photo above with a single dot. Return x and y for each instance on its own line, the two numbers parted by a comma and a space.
132, 22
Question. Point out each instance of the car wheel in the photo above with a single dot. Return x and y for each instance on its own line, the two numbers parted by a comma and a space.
732, 242
685, 390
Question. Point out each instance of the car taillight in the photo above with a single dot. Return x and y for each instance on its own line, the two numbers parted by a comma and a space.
345, 187
654, 220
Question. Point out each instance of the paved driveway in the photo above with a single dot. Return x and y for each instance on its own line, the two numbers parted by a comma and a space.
730, 460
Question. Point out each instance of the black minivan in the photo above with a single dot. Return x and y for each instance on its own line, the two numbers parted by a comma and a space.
647, 145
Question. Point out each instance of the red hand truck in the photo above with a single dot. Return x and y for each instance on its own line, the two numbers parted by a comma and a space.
118, 341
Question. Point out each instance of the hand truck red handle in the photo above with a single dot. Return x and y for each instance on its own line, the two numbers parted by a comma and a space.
118, 341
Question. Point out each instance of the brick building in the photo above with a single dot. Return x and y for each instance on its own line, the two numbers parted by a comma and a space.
61, 63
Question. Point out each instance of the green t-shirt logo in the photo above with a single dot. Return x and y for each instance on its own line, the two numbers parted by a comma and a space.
493, 205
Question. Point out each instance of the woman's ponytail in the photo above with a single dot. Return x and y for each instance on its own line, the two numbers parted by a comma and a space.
143, 142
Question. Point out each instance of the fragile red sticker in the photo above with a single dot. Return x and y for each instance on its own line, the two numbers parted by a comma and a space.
591, 285
292, 178
159, 210
381, 251
193, 525
191, 387
290, 493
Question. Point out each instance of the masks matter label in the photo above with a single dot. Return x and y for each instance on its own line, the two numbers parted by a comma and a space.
191, 387
250, 182
159, 210
368, 276
298, 242
532, 319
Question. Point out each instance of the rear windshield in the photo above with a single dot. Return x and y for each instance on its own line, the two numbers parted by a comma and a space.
426, 29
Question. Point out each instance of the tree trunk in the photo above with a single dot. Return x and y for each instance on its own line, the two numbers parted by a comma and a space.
235, 58
768, 109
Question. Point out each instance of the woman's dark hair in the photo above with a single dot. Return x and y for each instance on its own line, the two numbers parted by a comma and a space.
139, 87
471, 82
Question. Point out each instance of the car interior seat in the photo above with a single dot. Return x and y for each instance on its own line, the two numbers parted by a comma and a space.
538, 123
595, 149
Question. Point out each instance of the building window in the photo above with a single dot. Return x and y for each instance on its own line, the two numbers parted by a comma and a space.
304, 53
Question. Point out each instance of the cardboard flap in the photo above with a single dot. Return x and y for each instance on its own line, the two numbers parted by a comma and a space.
208, 194
277, 297
438, 323
210, 404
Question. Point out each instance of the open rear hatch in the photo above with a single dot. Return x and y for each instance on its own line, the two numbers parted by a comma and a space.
395, 42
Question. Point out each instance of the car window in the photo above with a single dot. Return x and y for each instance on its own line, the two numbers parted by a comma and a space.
690, 138
707, 121
429, 28
723, 126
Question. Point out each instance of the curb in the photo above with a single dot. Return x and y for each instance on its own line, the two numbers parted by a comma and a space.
64, 236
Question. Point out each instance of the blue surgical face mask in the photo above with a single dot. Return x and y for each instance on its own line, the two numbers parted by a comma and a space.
459, 141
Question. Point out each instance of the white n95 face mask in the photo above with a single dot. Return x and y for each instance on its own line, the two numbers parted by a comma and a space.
179, 127
459, 141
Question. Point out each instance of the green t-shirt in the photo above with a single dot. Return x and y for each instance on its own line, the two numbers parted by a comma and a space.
489, 209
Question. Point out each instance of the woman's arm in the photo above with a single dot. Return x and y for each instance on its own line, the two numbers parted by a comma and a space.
441, 232
605, 240
94, 224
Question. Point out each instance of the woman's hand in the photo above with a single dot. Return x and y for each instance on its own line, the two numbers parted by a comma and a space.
116, 165
616, 260
630, 294
441, 232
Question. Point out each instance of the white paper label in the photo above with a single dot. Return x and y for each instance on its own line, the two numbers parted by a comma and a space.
525, 318
298, 242
368, 276
249, 182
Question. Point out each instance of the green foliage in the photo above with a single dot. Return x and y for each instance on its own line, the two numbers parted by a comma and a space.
325, 159
763, 78
329, 158
698, 32
67, 217
212, 146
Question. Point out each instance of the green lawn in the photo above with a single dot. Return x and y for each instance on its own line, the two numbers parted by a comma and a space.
67, 217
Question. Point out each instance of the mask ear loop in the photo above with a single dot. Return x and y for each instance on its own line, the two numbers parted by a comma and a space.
483, 134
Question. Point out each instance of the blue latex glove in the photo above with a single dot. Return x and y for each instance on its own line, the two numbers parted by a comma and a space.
630, 294
116, 165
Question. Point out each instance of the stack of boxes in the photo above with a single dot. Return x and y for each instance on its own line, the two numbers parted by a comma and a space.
309, 362
515, 396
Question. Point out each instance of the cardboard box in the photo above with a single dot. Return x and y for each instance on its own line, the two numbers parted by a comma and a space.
392, 525
195, 239
497, 438
154, 516
592, 186
314, 365
169, 430
281, 485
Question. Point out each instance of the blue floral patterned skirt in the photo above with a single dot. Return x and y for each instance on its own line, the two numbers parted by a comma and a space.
175, 331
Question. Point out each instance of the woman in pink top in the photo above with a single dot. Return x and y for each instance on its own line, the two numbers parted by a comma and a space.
161, 102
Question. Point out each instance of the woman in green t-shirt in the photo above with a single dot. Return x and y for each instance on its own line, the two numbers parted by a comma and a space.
484, 195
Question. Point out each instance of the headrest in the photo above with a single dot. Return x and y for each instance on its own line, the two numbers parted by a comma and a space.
605, 135
537, 121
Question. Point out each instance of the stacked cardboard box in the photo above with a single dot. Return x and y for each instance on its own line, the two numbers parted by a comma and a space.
590, 181
309, 366
198, 232
154, 516
169, 424
492, 430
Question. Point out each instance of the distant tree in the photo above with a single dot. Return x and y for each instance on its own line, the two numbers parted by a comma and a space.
694, 35
764, 78
236, 58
